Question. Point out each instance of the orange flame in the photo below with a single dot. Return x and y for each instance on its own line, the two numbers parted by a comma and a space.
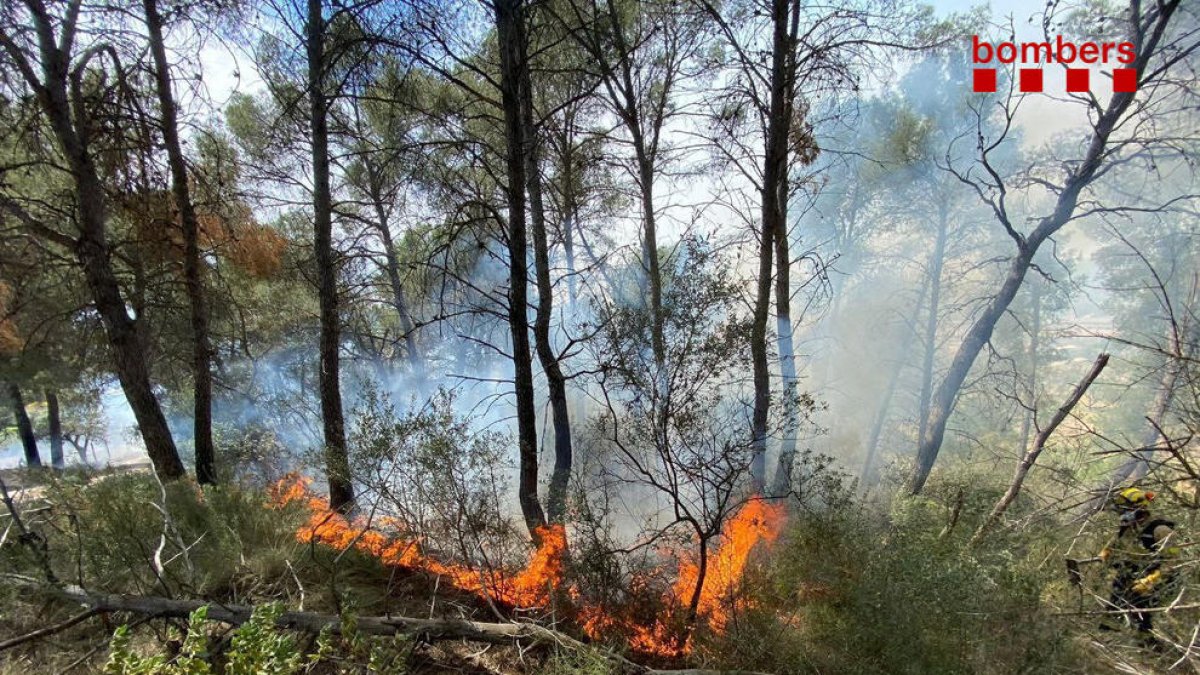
530, 587
757, 521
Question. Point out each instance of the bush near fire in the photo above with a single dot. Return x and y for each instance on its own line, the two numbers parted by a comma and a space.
570, 337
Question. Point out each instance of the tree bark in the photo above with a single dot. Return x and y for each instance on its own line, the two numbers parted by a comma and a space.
787, 365
1031, 455
568, 175
411, 347
937, 260
783, 275
392, 259
337, 462
866, 477
620, 83
24, 427
1080, 176
698, 589
761, 369
650, 253
56, 435
206, 472
645, 156
556, 383
947, 393
568, 227
774, 224
70, 126
510, 29
1035, 333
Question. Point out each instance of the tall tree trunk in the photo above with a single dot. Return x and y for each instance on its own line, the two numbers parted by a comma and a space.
1081, 175
392, 259
1035, 339
411, 346
698, 589
510, 29
570, 219
787, 364
193, 281
56, 436
24, 427
337, 462
91, 249
569, 253
758, 352
566, 146
937, 261
650, 253
556, 383
579, 391
867, 476
645, 156
774, 224
947, 393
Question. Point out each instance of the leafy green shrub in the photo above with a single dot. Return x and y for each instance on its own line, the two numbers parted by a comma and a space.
848, 591
127, 533
251, 455
431, 471
123, 660
259, 647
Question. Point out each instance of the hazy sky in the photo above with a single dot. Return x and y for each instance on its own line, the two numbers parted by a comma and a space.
227, 69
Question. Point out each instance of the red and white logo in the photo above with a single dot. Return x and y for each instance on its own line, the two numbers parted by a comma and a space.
1060, 51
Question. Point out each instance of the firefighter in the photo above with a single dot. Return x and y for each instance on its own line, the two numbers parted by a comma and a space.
1141, 553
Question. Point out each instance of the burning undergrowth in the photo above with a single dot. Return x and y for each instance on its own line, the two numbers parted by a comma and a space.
680, 607
531, 587
656, 619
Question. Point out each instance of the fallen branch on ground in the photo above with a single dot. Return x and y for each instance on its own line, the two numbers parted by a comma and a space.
48, 630
425, 630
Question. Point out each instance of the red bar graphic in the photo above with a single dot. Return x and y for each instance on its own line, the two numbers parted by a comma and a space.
1124, 80
985, 79
1077, 80
1031, 80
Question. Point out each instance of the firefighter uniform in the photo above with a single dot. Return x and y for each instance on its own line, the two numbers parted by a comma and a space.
1141, 554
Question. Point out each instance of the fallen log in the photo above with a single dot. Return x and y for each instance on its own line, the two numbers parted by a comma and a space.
424, 630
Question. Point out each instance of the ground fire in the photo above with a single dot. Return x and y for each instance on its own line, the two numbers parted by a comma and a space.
533, 586
668, 636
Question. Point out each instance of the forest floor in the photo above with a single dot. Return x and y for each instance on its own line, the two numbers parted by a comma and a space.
268, 565
837, 594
